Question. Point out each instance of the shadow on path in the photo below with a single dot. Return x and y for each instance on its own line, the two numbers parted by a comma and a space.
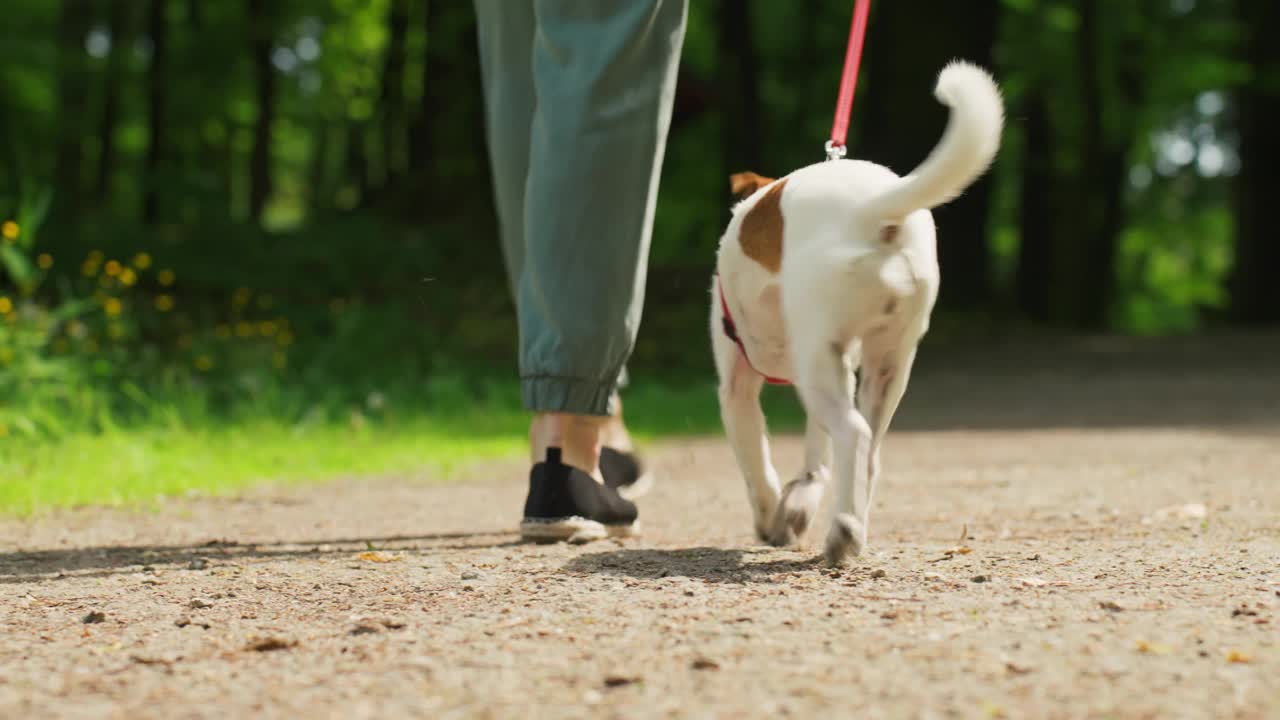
41, 565
718, 565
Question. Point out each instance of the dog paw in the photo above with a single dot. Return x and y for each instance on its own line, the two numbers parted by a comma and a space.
847, 538
800, 501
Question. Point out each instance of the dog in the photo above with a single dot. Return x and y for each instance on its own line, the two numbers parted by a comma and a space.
825, 279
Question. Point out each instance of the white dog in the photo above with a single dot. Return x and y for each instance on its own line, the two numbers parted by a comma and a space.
827, 271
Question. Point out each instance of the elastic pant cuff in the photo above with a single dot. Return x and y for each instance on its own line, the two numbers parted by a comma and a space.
567, 395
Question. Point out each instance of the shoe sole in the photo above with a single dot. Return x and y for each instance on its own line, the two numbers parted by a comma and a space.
575, 530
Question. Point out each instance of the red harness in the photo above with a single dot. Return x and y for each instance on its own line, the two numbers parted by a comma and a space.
731, 331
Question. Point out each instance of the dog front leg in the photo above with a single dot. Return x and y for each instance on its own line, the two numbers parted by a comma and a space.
745, 426
823, 380
803, 495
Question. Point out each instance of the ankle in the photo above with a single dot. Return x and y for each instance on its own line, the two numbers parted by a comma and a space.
579, 438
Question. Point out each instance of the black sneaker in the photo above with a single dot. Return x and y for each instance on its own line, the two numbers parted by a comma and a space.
625, 472
565, 503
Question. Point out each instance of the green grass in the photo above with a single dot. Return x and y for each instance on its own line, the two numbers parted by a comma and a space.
140, 463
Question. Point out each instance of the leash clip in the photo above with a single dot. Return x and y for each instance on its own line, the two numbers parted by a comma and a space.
834, 151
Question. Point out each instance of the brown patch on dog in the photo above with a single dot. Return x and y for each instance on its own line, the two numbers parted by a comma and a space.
889, 233
743, 184
761, 233
890, 306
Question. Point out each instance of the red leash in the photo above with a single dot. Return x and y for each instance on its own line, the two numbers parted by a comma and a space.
848, 81
835, 150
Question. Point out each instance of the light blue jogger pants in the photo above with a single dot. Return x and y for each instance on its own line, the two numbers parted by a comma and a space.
578, 97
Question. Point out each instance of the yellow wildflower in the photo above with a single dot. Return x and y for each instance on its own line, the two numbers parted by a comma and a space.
112, 267
166, 277
44, 260
10, 230
266, 328
88, 268
244, 329
113, 306
142, 261
128, 277
6, 305
164, 303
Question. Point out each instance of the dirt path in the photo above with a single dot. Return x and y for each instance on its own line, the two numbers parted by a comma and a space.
1127, 570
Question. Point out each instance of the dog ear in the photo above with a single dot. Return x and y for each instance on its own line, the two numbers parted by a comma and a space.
744, 183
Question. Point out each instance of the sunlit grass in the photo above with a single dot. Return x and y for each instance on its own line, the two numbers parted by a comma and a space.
139, 464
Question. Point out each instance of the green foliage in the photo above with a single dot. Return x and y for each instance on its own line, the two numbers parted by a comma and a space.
375, 270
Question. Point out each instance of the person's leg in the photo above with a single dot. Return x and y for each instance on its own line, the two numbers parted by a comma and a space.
506, 31
604, 75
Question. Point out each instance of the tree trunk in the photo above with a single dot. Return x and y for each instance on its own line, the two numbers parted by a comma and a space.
422, 133
119, 22
1100, 186
261, 29
73, 25
1255, 295
902, 121
356, 160
740, 101
391, 98
157, 98
318, 173
1035, 223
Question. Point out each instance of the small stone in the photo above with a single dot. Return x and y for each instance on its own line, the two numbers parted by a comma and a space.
364, 629
94, 617
198, 564
878, 573
1111, 606
932, 576
470, 575
980, 578
200, 604
705, 664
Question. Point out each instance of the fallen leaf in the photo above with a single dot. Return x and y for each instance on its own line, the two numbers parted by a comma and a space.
1149, 648
964, 533
1015, 668
619, 681
94, 617
705, 664
1235, 656
1111, 606
1188, 511
377, 557
270, 644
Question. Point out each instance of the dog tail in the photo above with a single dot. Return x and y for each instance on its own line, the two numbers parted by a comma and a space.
965, 151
